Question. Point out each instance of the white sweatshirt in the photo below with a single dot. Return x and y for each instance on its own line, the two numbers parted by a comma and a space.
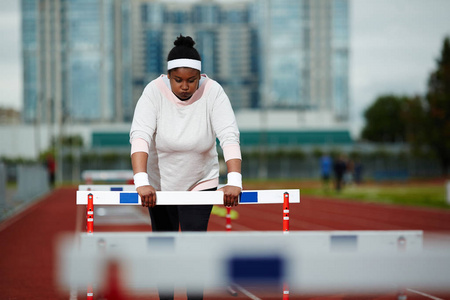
181, 135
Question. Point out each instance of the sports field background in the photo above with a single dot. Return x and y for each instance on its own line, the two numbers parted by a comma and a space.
418, 192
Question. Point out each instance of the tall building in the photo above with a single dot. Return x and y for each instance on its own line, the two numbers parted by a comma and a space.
77, 61
89, 60
225, 35
304, 55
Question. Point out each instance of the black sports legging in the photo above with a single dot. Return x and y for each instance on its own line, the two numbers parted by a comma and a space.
186, 217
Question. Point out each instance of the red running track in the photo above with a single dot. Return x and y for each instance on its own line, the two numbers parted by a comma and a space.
28, 239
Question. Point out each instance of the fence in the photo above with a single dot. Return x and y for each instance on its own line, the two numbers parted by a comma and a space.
264, 164
32, 182
2, 186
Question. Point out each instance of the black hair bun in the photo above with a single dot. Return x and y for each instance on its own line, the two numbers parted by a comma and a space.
184, 48
186, 41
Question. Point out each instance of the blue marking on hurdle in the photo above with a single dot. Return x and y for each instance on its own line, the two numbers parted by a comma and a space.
344, 242
249, 197
116, 188
261, 270
161, 242
129, 198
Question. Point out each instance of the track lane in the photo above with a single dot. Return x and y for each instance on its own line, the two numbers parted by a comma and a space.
27, 241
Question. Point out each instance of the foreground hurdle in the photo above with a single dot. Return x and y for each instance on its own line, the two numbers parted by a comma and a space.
268, 196
127, 197
310, 262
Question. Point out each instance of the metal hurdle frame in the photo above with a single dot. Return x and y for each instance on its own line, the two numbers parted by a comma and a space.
91, 195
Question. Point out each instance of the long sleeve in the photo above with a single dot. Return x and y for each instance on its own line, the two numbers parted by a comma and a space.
145, 116
223, 120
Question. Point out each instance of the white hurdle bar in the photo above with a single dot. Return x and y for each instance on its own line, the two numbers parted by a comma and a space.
127, 197
311, 262
107, 175
107, 187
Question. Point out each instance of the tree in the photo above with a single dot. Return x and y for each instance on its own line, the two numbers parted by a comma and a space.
414, 115
384, 121
437, 109
423, 122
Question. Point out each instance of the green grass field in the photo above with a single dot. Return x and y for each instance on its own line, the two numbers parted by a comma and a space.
416, 193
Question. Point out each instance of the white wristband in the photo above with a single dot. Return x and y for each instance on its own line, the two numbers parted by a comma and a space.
140, 179
234, 179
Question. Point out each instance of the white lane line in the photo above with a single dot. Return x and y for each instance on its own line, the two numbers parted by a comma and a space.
246, 293
423, 294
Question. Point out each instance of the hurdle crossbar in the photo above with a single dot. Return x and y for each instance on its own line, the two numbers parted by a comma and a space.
106, 175
311, 262
187, 198
107, 187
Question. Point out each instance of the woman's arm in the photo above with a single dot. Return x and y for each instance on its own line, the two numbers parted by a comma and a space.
233, 188
142, 129
227, 131
143, 187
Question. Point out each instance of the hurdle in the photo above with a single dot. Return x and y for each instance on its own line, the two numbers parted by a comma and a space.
247, 197
91, 195
89, 176
126, 197
310, 262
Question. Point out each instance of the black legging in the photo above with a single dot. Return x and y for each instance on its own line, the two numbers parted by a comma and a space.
188, 218
172, 217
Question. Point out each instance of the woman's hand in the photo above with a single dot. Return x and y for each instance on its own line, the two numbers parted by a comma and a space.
230, 195
148, 195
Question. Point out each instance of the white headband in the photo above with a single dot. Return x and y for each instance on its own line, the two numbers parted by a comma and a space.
184, 62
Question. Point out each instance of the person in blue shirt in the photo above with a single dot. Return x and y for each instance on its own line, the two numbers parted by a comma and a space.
326, 164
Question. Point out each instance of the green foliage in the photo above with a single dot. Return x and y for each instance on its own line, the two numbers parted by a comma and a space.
296, 153
16, 160
317, 153
409, 193
414, 115
427, 195
423, 122
69, 141
44, 155
384, 122
437, 109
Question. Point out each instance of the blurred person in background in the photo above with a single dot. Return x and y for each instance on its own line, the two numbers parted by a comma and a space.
51, 168
358, 169
326, 164
349, 175
173, 142
339, 168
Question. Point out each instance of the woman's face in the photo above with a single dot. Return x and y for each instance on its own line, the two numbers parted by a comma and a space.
184, 82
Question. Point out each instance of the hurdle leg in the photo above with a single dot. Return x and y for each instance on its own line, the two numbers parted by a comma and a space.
90, 215
285, 231
90, 293
286, 213
228, 219
401, 247
90, 230
230, 289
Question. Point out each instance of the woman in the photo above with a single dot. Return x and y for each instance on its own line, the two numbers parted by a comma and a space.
173, 141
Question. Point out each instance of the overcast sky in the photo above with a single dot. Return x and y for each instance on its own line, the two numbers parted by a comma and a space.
394, 46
